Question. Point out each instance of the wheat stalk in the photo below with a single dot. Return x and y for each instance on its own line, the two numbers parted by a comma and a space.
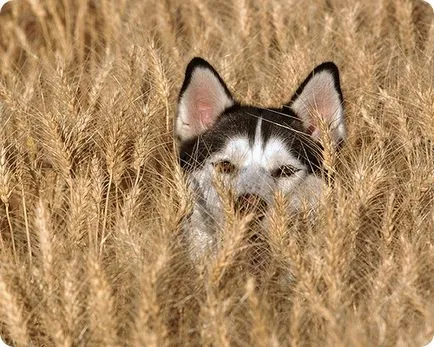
94, 202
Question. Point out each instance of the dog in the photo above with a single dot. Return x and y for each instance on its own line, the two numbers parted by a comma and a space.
253, 151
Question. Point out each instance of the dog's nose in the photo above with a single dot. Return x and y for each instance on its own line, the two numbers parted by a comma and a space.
250, 203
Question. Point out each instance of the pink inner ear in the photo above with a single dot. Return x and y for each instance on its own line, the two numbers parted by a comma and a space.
325, 103
204, 102
319, 103
205, 112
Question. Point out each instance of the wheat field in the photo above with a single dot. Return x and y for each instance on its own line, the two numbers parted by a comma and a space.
92, 198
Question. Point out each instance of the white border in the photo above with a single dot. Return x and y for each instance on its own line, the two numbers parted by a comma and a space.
430, 344
431, 2
2, 2
2, 344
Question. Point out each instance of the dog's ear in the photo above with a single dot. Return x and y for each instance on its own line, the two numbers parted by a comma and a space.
203, 97
318, 102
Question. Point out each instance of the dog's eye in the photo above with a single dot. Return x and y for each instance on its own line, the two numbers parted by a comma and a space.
225, 167
284, 171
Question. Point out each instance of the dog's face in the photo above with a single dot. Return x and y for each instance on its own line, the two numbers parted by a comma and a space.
255, 151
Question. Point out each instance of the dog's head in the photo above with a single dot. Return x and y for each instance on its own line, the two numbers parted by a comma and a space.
256, 151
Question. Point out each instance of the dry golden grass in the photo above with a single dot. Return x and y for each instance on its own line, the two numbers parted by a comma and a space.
92, 198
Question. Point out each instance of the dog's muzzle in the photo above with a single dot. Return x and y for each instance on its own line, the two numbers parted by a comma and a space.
251, 203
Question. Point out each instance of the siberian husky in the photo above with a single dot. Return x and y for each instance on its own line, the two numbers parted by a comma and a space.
253, 151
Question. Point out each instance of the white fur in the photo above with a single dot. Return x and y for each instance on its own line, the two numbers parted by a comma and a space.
255, 164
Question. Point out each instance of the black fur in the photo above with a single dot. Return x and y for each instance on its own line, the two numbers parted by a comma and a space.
241, 119
199, 62
330, 67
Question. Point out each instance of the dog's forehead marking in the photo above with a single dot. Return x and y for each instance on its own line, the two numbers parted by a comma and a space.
258, 145
246, 153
